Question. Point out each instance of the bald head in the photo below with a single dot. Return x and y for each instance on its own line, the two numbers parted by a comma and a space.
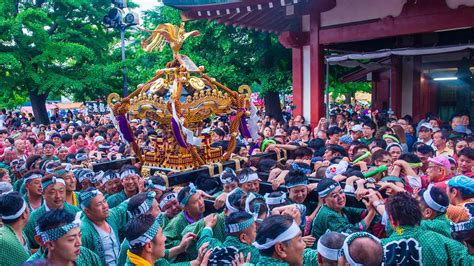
366, 251
327, 242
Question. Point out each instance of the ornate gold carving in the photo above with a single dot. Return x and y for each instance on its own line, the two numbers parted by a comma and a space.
195, 97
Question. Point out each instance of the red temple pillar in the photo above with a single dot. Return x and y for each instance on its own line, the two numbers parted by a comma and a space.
308, 69
317, 105
417, 112
396, 80
297, 80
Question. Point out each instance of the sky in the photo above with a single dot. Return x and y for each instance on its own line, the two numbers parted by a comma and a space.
146, 4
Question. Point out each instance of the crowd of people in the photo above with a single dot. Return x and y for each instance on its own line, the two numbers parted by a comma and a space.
360, 188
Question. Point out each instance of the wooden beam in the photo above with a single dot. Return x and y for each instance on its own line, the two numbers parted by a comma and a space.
415, 18
270, 24
253, 17
191, 12
265, 15
116, 164
244, 18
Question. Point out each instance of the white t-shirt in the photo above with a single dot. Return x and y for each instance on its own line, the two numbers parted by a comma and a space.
110, 244
2, 120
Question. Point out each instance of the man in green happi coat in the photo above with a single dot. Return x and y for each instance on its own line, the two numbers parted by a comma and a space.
192, 203
100, 225
54, 195
329, 247
60, 234
335, 216
197, 227
433, 203
169, 205
241, 232
32, 189
279, 241
145, 203
129, 177
361, 248
409, 244
298, 190
147, 243
14, 247
111, 183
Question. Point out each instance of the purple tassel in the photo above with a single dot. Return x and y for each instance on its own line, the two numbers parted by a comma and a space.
243, 128
124, 128
177, 133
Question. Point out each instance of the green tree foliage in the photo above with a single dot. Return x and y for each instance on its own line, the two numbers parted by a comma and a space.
11, 99
55, 46
338, 88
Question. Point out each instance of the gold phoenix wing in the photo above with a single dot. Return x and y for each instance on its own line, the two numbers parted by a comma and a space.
164, 33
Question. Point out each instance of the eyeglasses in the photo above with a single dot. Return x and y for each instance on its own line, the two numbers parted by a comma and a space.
336, 194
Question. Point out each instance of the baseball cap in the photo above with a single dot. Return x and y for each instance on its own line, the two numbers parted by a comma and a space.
346, 139
440, 161
426, 125
357, 128
98, 138
460, 129
336, 169
462, 181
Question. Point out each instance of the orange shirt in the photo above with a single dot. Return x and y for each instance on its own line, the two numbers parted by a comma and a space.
461, 212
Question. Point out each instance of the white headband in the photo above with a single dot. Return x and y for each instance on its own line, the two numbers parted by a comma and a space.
328, 253
147, 203
147, 236
150, 185
59, 180
229, 206
328, 190
52, 181
431, 203
167, 199
274, 200
290, 233
17, 214
127, 173
33, 176
351, 238
256, 208
229, 179
249, 198
248, 178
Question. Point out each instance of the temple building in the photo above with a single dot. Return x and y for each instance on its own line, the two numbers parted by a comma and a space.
417, 54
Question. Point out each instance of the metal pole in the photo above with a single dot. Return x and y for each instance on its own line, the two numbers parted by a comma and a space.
327, 90
390, 112
124, 69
